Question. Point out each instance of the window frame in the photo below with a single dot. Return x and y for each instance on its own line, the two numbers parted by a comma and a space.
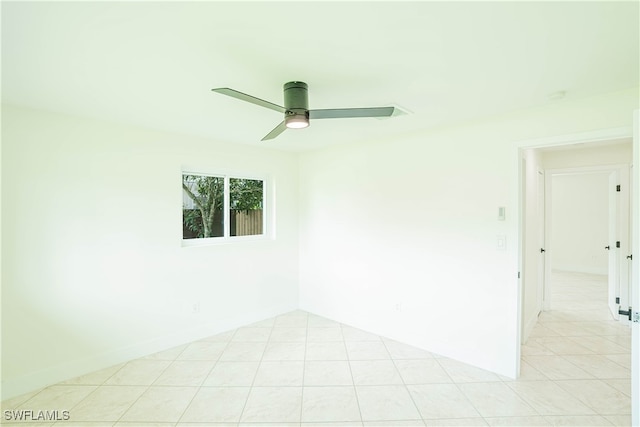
227, 238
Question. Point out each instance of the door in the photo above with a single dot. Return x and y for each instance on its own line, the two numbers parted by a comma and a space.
541, 301
612, 246
635, 272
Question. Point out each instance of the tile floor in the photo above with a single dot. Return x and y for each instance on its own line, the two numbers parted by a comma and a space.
300, 369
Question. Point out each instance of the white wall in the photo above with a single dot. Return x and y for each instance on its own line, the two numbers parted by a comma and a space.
399, 236
579, 215
93, 268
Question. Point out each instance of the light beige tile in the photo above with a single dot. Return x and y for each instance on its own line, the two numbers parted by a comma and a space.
562, 346
185, 373
366, 350
463, 373
221, 337
517, 421
203, 350
394, 423
60, 397
534, 347
374, 372
266, 323
380, 403
100, 424
273, 404
425, 371
107, 403
284, 351
599, 366
354, 334
251, 335
321, 322
398, 350
169, 354
557, 367
243, 351
619, 420
281, 373
139, 372
326, 351
324, 334
23, 423
527, 373
623, 360
291, 320
578, 420
623, 386
216, 405
601, 345
462, 422
547, 398
288, 335
232, 374
138, 424
598, 395
16, 401
327, 372
324, 404
157, 404
95, 378
496, 400
437, 401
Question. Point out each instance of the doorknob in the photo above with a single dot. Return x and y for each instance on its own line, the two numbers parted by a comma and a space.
542, 250
607, 247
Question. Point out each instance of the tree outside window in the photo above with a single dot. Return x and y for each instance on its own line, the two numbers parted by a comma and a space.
204, 200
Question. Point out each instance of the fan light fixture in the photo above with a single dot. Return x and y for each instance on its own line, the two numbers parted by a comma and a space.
296, 121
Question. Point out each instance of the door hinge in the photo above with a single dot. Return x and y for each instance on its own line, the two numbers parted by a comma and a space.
617, 300
633, 316
618, 244
630, 257
617, 188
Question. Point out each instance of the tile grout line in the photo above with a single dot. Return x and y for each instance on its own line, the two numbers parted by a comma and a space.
186, 408
255, 375
353, 382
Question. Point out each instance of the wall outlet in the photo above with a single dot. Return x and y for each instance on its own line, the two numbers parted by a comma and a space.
195, 308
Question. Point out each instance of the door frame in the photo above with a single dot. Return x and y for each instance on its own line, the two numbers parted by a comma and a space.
600, 135
622, 173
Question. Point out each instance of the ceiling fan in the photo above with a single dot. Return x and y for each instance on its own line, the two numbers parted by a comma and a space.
296, 108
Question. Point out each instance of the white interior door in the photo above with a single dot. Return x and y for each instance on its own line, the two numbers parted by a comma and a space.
613, 272
541, 214
635, 279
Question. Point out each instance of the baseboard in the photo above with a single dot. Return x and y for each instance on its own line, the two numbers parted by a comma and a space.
36, 380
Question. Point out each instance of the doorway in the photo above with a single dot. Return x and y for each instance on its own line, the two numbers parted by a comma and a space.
532, 247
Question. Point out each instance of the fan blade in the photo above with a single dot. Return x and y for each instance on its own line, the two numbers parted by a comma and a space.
248, 98
276, 131
343, 113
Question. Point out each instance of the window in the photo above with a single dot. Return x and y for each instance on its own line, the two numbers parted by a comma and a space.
221, 206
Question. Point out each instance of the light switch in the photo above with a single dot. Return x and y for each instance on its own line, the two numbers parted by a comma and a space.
501, 214
501, 242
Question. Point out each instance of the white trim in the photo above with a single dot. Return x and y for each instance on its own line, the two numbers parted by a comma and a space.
577, 138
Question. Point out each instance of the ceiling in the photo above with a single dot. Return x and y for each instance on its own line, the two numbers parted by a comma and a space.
152, 64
